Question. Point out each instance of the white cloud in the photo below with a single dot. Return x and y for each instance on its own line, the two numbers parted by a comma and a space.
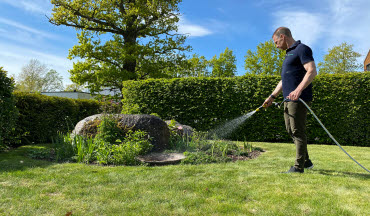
338, 21
11, 23
14, 57
33, 6
193, 30
349, 23
305, 26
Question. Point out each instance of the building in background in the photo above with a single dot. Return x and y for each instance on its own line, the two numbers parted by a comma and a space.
79, 94
73, 95
367, 62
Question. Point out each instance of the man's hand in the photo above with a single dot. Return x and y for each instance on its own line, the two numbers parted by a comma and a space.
294, 95
268, 102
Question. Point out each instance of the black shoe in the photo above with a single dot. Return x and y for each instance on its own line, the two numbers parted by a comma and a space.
308, 164
294, 170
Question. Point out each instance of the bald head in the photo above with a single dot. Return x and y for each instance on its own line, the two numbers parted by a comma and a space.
282, 30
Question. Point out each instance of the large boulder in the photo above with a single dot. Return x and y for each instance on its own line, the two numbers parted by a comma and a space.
182, 130
154, 126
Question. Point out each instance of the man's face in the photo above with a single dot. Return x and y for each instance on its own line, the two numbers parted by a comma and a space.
280, 42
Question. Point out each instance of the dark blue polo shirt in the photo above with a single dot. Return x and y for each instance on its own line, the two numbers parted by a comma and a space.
293, 71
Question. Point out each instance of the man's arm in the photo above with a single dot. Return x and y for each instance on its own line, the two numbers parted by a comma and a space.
307, 79
278, 89
275, 93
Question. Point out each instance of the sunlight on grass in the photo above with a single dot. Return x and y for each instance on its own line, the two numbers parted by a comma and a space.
336, 186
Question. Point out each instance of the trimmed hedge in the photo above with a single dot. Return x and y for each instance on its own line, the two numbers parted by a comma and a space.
8, 111
42, 117
340, 101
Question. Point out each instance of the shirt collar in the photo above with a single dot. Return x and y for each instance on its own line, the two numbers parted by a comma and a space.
294, 45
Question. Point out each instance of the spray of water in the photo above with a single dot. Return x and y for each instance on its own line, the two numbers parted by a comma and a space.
227, 128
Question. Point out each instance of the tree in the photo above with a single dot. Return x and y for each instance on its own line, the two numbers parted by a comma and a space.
121, 40
52, 81
340, 59
198, 66
74, 87
8, 110
267, 59
224, 66
36, 77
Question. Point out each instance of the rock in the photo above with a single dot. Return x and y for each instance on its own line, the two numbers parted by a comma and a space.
156, 128
161, 158
182, 130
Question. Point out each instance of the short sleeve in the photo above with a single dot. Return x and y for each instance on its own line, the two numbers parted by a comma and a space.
305, 54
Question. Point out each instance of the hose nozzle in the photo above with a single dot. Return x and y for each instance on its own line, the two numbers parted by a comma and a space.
259, 108
264, 106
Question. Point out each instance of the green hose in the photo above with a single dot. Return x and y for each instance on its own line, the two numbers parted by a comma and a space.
331, 135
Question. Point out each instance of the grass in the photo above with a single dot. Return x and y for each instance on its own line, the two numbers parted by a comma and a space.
336, 186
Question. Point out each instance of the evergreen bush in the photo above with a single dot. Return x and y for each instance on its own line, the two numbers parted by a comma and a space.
43, 117
8, 110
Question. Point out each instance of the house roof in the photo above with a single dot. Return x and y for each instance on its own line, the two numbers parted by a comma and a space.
367, 57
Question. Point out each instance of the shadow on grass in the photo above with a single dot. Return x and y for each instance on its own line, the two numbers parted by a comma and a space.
17, 159
340, 173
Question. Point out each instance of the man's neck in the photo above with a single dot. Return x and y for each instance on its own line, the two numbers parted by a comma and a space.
290, 42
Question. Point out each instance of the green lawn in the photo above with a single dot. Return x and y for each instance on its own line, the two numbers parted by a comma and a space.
336, 186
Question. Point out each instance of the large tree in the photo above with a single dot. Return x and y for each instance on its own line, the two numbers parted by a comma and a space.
224, 65
267, 59
36, 77
74, 87
121, 39
340, 59
196, 66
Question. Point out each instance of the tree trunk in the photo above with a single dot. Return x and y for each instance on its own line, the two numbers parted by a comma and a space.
130, 37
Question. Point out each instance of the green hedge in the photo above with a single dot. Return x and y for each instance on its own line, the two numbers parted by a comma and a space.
42, 117
8, 111
340, 101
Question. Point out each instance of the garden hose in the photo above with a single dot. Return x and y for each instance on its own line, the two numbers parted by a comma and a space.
330, 134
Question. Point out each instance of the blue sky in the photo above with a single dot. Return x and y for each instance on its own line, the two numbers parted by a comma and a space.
213, 25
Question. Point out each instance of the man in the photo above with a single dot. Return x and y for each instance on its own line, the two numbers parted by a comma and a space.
298, 71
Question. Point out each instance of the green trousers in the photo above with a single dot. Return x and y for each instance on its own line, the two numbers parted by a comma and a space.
295, 115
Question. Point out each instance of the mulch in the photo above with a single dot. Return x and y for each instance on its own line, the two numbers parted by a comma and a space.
251, 155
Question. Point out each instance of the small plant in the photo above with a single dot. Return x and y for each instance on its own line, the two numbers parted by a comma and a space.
98, 150
84, 148
135, 144
110, 105
63, 148
103, 152
41, 154
109, 130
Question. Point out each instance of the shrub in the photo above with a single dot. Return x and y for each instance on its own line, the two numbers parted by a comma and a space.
135, 144
8, 110
42, 117
340, 101
109, 130
63, 147
99, 150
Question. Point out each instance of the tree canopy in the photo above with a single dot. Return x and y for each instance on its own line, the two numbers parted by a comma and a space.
266, 60
121, 40
340, 59
36, 77
224, 65
198, 66
218, 66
